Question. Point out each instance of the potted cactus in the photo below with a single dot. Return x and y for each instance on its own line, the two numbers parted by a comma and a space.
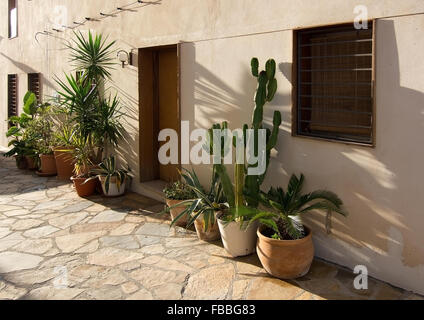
239, 236
176, 193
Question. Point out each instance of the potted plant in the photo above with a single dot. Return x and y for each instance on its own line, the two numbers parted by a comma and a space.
176, 193
83, 165
64, 137
285, 246
238, 235
113, 180
204, 208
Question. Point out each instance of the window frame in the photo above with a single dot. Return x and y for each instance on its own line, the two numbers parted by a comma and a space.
9, 20
295, 78
9, 98
37, 76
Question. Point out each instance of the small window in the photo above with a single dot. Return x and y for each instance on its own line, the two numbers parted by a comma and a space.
334, 84
12, 95
13, 19
34, 84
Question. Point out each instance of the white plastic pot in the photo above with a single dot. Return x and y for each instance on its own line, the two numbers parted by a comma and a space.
113, 188
238, 242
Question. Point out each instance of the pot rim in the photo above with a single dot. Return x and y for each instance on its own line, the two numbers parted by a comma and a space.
285, 242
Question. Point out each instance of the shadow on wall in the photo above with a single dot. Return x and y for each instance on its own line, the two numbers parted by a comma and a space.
381, 186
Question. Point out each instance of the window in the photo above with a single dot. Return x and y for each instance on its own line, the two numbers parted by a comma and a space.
34, 85
12, 95
334, 84
13, 19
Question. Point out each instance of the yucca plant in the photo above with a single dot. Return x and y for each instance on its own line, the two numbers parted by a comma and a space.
108, 170
205, 203
285, 222
93, 55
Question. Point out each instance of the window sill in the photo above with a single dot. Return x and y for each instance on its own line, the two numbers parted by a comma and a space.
359, 144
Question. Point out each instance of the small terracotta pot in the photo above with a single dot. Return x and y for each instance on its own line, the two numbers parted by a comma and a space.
211, 234
21, 162
84, 189
31, 163
48, 164
64, 162
175, 212
285, 259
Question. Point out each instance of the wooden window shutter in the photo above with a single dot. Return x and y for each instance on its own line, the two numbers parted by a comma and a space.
34, 84
12, 95
334, 83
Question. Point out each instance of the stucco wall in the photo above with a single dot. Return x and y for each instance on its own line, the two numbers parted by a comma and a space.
380, 186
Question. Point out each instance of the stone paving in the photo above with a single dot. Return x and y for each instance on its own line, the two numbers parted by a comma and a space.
55, 245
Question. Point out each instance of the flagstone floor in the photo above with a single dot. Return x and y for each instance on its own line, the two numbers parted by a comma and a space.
55, 245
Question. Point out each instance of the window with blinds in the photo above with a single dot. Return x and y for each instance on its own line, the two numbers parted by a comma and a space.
335, 83
34, 84
12, 95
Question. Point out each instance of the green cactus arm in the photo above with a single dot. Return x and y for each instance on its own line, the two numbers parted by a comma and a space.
239, 185
255, 67
227, 185
272, 89
273, 138
270, 69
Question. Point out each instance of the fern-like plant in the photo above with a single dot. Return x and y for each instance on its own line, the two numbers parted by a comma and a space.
285, 221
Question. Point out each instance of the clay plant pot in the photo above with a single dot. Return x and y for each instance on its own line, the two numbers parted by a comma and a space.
238, 241
21, 162
64, 163
48, 165
285, 259
84, 189
211, 234
31, 163
113, 188
175, 212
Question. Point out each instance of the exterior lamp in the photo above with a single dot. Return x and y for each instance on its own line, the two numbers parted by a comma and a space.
124, 57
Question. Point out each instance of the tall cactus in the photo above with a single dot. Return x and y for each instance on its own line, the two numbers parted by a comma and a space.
267, 87
247, 187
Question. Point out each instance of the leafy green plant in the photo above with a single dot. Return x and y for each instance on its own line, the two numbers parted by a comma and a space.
108, 170
81, 154
205, 203
178, 190
93, 55
284, 222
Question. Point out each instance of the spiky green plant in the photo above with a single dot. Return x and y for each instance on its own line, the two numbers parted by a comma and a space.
285, 221
108, 170
93, 55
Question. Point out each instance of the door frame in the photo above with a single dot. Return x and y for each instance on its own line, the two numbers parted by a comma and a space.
148, 102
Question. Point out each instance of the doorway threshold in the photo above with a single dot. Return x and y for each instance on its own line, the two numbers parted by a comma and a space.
154, 189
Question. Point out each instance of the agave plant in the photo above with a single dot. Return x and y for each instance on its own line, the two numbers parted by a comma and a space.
108, 170
286, 222
205, 203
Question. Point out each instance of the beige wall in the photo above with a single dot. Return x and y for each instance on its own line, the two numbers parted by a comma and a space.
380, 186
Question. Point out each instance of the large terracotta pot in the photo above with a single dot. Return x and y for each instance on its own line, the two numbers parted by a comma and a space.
113, 187
175, 212
31, 163
285, 259
84, 189
64, 163
211, 234
48, 164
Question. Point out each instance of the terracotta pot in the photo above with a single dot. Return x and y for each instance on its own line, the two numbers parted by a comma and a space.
113, 188
31, 163
211, 234
285, 259
48, 164
175, 212
21, 162
84, 189
64, 163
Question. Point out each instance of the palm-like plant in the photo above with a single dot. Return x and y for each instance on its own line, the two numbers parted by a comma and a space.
205, 203
289, 205
93, 55
82, 155
109, 171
